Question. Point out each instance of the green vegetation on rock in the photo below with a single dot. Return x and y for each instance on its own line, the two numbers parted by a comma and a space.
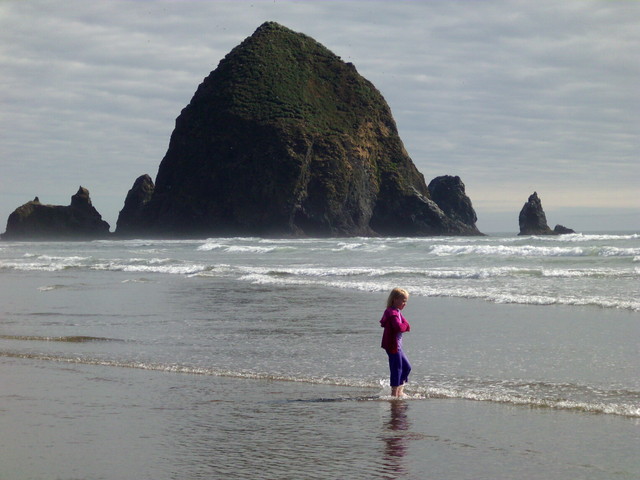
287, 78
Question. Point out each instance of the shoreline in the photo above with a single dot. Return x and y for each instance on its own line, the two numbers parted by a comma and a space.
174, 434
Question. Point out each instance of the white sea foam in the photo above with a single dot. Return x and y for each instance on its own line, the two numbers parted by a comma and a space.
72, 260
538, 395
369, 247
167, 269
489, 294
581, 273
209, 246
232, 248
600, 270
35, 266
511, 251
438, 273
136, 280
622, 409
49, 288
533, 251
579, 237
180, 267
618, 252
249, 249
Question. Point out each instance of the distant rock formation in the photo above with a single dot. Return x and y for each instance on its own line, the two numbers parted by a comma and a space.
533, 220
35, 221
284, 138
449, 194
562, 230
130, 218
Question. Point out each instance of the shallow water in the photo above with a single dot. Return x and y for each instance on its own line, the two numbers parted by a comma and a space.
112, 368
89, 422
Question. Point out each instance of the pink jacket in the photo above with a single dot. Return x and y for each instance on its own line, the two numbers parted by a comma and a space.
394, 324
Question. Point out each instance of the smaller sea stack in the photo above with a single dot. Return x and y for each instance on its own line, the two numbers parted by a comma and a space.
77, 221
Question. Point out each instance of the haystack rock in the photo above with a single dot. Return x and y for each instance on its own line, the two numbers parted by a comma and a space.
283, 138
35, 221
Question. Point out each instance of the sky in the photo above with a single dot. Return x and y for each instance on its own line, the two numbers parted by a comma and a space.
512, 96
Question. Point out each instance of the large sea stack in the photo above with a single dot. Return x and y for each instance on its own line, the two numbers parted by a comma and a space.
284, 138
38, 221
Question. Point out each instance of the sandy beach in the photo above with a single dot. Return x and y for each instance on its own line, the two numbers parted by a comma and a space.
71, 420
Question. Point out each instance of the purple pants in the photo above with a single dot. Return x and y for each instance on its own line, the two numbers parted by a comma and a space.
399, 367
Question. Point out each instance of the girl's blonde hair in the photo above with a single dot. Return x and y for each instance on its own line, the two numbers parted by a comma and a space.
395, 293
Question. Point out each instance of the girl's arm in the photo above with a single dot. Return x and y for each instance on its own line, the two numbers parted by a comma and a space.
405, 324
401, 325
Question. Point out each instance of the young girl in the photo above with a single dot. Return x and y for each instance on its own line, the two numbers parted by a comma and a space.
394, 325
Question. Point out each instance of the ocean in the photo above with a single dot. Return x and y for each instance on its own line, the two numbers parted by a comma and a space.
260, 358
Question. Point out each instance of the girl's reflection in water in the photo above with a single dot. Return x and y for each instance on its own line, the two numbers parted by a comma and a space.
396, 442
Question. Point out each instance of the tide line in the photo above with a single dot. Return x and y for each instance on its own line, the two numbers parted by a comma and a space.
415, 392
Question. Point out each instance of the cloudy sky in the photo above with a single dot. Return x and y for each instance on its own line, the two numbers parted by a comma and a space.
512, 96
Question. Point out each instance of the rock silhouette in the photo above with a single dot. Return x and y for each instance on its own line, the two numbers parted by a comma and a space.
35, 221
284, 138
533, 220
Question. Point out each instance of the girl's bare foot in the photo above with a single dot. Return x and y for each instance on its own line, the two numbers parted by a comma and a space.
397, 391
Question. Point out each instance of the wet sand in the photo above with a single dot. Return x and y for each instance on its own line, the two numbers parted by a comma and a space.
89, 422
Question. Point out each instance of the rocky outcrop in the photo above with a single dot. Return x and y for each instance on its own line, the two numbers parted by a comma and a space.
533, 220
35, 221
562, 230
449, 194
284, 138
130, 218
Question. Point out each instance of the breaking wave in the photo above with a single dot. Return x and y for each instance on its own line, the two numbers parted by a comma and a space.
525, 394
